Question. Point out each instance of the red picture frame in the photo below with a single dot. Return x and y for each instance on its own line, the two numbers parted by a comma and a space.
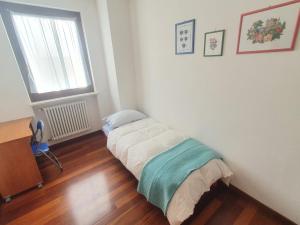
294, 39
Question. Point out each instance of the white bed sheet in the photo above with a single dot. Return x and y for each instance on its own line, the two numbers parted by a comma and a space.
136, 143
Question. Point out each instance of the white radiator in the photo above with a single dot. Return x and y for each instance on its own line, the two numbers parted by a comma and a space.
67, 119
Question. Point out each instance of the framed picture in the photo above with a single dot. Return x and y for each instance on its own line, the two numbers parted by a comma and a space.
213, 43
271, 29
185, 37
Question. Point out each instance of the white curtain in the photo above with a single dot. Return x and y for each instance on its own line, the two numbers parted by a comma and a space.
52, 51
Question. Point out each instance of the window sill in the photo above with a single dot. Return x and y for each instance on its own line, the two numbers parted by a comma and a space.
57, 100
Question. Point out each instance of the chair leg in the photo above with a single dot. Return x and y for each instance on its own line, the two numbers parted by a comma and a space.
56, 160
53, 159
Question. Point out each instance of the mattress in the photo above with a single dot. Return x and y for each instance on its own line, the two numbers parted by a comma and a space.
136, 143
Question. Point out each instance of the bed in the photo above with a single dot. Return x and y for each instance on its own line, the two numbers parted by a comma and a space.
136, 143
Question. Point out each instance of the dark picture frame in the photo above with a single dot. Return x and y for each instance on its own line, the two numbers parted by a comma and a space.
219, 49
188, 39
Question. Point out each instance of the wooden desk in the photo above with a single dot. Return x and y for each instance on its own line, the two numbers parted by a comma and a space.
18, 167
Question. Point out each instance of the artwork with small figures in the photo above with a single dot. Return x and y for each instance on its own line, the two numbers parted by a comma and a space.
185, 37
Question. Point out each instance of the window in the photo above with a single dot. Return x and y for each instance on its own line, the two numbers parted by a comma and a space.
50, 49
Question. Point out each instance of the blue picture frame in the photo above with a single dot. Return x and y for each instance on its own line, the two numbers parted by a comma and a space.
190, 39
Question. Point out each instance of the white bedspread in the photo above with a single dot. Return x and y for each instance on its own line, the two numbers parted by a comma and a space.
136, 143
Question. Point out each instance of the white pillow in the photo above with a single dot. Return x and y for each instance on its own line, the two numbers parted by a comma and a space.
123, 117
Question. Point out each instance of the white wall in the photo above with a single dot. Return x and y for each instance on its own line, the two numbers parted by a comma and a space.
109, 53
245, 106
116, 32
14, 100
13, 96
123, 51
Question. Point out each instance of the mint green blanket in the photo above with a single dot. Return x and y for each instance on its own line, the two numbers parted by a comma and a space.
163, 174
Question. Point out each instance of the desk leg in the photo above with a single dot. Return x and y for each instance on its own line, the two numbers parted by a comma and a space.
8, 198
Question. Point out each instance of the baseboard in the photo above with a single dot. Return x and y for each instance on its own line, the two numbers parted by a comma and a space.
268, 209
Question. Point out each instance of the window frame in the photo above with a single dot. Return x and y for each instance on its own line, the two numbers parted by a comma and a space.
5, 10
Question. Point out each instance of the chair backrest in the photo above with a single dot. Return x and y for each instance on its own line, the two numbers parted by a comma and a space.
38, 133
40, 125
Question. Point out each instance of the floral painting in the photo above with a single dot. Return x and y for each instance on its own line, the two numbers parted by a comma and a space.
213, 43
262, 32
272, 29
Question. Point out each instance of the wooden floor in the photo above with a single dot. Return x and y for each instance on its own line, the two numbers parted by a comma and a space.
96, 189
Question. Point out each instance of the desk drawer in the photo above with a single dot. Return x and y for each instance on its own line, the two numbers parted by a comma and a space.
18, 168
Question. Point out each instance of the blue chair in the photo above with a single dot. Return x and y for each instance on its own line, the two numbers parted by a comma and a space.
40, 148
